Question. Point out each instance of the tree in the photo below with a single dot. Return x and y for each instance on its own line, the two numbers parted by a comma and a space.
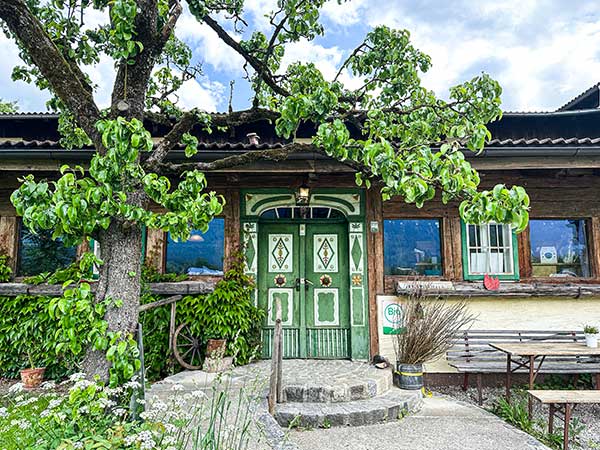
8, 107
410, 141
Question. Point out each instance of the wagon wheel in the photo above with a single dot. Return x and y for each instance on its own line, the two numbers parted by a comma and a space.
187, 348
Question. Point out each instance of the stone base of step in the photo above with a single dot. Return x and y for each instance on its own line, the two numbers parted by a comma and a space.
390, 406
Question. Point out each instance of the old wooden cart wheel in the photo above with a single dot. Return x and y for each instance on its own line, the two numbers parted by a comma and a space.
187, 348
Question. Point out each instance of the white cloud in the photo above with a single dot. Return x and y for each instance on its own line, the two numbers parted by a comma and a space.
207, 46
203, 94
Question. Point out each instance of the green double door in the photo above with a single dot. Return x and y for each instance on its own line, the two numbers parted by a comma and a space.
305, 266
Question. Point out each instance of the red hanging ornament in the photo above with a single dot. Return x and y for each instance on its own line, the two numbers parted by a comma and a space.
491, 283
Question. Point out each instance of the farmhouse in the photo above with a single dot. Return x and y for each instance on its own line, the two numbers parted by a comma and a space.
335, 253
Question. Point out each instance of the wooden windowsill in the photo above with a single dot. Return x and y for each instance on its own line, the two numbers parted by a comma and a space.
528, 288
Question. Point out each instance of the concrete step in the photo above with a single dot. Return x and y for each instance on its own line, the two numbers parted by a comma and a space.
389, 406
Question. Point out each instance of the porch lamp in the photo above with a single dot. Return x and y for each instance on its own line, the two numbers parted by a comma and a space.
303, 195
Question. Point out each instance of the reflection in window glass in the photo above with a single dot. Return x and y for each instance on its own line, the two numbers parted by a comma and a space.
201, 254
38, 253
490, 249
559, 248
412, 247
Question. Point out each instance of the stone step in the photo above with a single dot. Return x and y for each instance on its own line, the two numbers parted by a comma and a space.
389, 406
338, 389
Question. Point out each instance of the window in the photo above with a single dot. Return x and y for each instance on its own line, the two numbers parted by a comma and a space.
201, 254
489, 249
412, 247
38, 253
559, 248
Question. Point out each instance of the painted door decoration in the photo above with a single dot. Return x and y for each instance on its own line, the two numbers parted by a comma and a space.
278, 270
305, 267
327, 294
315, 265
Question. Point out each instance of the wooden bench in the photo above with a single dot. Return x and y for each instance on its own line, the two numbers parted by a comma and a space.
472, 354
562, 403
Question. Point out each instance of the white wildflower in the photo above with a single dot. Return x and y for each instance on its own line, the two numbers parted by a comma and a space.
48, 385
177, 387
132, 385
54, 403
78, 445
17, 387
3, 412
77, 377
199, 394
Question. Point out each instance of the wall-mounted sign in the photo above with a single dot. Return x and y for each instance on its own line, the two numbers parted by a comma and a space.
374, 226
393, 317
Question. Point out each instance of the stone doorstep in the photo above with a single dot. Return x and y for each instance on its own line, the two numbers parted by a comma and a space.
386, 407
333, 394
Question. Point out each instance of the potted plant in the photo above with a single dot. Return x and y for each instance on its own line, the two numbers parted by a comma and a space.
591, 336
33, 376
429, 330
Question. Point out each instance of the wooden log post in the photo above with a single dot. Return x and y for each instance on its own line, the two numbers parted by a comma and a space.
276, 358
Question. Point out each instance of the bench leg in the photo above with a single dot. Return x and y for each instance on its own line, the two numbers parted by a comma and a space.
551, 419
465, 381
479, 390
598, 381
566, 429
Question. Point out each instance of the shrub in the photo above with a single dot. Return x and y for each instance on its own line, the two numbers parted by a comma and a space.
26, 326
5, 270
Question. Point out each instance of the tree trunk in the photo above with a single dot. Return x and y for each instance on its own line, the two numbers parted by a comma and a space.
120, 250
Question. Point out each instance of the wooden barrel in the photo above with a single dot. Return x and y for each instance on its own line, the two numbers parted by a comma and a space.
408, 376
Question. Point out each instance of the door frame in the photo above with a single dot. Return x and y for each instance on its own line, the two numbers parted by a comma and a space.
351, 202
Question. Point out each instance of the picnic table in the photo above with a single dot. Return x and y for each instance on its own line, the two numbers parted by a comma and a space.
562, 403
526, 354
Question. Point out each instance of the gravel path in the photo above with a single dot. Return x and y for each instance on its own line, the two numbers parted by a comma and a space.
442, 424
587, 415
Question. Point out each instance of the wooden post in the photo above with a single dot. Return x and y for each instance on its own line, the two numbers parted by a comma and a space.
9, 240
276, 357
566, 429
374, 213
172, 326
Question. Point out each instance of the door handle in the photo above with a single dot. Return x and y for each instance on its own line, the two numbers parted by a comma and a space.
307, 283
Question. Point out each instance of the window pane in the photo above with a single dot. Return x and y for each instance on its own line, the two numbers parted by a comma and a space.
201, 254
490, 249
412, 247
38, 253
559, 248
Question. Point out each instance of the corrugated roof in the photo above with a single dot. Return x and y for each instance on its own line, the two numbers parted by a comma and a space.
579, 98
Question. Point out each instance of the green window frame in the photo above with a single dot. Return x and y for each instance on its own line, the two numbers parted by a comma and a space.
512, 245
93, 248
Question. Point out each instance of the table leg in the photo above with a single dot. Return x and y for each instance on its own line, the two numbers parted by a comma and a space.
566, 430
508, 372
551, 419
531, 380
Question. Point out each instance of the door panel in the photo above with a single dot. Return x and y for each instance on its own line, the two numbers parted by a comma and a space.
327, 303
278, 269
305, 265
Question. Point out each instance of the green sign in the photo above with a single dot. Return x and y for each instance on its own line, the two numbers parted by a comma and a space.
393, 318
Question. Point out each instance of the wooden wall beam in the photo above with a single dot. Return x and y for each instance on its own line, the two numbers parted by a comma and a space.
156, 248
9, 240
232, 225
524, 253
374, 213
594, 245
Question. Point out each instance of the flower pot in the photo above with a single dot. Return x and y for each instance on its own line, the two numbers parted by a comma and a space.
32, 378
216, 348
591, 340
408, 376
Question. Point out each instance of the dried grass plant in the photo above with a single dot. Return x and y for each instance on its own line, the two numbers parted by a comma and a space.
430, 327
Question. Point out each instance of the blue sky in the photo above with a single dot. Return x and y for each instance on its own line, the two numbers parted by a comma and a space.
543, 52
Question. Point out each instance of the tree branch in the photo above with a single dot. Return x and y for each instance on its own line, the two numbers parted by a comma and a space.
260, 68
190, 118
65, 78
278, 154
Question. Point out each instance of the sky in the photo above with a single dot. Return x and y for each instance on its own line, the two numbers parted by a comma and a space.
543, 52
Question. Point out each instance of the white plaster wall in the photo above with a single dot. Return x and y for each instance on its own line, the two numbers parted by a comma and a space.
512, 314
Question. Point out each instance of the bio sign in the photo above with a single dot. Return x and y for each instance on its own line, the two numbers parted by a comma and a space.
393, 317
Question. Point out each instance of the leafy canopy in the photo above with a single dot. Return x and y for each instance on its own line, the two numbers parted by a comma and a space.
383, 123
